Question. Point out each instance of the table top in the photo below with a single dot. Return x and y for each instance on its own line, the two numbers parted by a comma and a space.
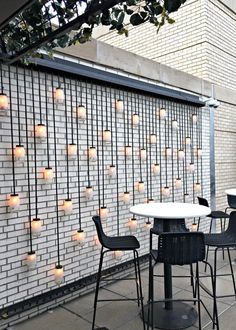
231, 192
170, 210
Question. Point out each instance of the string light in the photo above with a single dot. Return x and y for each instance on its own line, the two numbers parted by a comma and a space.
194, 227
92, 154
58, 274
155, 169
40, 132
112, 171
72, 151
199, 152
174, 124
80, 237
186, 198
106, 136
191, 167
36, 227
128, 151
153, 139
89, 193
3, 101
197, 187
181, 154
135, 119
187, 140
133, 224
126, 197
81, 112
119, 105
68, 206
48, 175
162, 113
194, 118
178, 183
166, 191
13, 202
19, 153
103, 212
148, 225
31, 260
168, 152
59, 95
151, 201
141, 186
143, 154
118, 255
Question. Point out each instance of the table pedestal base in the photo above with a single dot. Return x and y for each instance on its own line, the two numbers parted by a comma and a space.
181, 316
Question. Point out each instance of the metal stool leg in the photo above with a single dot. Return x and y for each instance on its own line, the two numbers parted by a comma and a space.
140, 288
198, 297
214, 287
136, 279
97, 287
207, 252
150, 293
198, 223
232, 271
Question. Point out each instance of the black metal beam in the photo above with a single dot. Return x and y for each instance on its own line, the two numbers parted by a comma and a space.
119, 80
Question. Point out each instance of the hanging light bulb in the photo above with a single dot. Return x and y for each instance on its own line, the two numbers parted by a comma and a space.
186, 198
36, 227
103, 212
31, 260
151, 201
197, 187
162, 113
178, 183
112, 171
3, 101
168, 152
59, 95
19, 153
126, 197
92, 154
194, 227
80, 237
166, 191
181, 154
106, 136
68, 206
155, 169
135, 119
153, 139
58, 274
194, 118
13, 202
148, 225
72, 151
187, 140
118, 254
40, 132
48, 175
128, 151
89, 193
199, 152
191, 167
97, 242
143, 154
119, 105
133, 224
174, 124
81, 112
141, 186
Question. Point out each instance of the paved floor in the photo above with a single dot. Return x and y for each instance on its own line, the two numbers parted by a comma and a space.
77, 314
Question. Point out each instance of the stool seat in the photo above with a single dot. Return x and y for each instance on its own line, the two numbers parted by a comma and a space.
218, 215
221, 240
121, 243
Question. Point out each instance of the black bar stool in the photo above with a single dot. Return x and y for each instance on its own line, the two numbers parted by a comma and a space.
111, 244
181, 249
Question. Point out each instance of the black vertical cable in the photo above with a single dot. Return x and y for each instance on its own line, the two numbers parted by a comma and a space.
71, 113
124, 131
166, 145
185, 150
201, 132
160, 148
172, 147
98, 156
139, 139
111, 116
103, 177
177, 139
67, 144
132, 142
117, 177
87, 133
2, 88
91, 117
28, 162
47, 122
40, 105
151, 131
56, 174
18, 104
146, 123
35, 145
197, 137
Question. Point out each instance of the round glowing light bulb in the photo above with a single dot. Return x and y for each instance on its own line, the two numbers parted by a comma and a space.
126, 197
199, 152
13, 202
194, 118
153, 139
141, 186
118, 254
178, 183
162, 113
166, 191
181, 154
81, 112
89, 193
58, 274
197, 187
68, 206
168, 152
194, 227
128, 151
31, 260
106, 136
187, 140
191, 167
155, 169
103, 212
186, 198
143, 154
92, 154
135, 119
59, 95
119, 105
72, 150
3, 101
112, 171
174, 124
133, 224
19, 153
80, 237
40, 132
36, 227
151, 201
148, 225
48, 175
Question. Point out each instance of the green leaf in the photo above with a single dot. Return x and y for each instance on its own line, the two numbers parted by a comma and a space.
136, 19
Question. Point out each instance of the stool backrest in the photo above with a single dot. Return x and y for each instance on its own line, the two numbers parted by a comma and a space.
231, 201
101, 235
203, 201
231, 229
181, 248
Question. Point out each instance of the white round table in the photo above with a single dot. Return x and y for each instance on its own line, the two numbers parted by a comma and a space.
170, 315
